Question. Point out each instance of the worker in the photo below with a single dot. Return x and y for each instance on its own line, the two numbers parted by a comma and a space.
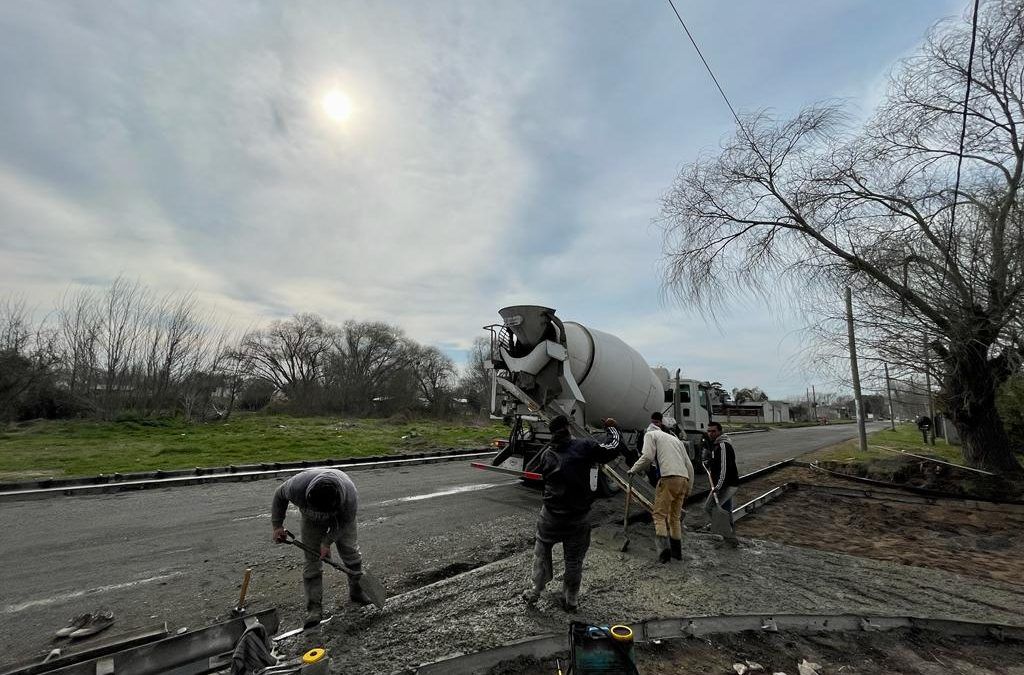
725, 479
667, 454
327, 500
565, 464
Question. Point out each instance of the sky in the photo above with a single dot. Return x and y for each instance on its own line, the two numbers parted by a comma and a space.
491, 154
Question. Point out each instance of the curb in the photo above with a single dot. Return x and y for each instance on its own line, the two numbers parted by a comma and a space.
123, 482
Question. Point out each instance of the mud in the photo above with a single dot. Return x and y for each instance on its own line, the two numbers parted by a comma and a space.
481, 608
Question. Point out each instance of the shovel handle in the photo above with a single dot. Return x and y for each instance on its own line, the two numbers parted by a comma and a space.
245, 587
291, 539
711, 483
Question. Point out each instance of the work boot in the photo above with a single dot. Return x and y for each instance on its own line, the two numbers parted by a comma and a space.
314, 619
664, 549
531, 596
677, 548
357, 595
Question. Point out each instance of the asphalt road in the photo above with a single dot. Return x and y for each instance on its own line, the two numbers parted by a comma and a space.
178, 555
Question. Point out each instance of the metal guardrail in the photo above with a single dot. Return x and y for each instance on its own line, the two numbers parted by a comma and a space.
121, 482
655, 630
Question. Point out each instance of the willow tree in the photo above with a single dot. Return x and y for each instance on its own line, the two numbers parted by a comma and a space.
930, 237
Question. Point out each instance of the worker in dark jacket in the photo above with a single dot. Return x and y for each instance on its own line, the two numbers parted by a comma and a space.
565, 464
328, 502
725, 479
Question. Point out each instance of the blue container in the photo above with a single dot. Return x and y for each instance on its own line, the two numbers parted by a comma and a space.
601, 649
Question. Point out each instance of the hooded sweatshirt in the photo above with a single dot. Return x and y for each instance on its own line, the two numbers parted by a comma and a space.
565, 465
723, 464
297, 488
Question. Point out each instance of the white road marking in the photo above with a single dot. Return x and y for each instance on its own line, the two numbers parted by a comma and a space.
414, 498
444, 493
64, 597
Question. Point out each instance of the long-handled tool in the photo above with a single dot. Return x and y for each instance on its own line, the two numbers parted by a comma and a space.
239, 609
625, 519
721, 520
369, 583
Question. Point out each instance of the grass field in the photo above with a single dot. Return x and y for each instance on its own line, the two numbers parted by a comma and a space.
906, 438
78, 447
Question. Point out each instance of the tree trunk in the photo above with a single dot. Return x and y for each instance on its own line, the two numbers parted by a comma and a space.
971, 386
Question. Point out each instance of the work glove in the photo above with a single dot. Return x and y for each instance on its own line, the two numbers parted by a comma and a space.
278, 535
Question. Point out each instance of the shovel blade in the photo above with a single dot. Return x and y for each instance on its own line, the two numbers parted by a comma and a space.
721, 521
374, 589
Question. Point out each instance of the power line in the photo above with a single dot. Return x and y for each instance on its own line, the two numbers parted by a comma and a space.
708, 66
963, 134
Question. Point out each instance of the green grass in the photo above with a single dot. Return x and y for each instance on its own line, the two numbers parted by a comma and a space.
906, 438
81, 448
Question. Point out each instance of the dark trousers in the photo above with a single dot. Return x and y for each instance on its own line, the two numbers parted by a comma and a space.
574, 536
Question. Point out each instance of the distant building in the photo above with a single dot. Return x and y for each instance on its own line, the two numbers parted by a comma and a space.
753, 411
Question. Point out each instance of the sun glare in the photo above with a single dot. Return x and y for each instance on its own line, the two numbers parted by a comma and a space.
337, 105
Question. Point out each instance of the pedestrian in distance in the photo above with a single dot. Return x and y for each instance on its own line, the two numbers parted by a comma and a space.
667, 454
328, 501
924, 425
565, 464
725, 479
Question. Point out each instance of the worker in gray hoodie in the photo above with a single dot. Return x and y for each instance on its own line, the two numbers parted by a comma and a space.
328, 501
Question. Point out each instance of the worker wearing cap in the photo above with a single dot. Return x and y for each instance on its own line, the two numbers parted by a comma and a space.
667, 454
565, 464
327, 500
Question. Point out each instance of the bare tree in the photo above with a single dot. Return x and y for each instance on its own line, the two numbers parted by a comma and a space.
292, 355
434, 373
367, 357
475, 382
874, 207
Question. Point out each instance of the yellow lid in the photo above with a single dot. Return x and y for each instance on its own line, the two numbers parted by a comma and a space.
314, 655
622, 633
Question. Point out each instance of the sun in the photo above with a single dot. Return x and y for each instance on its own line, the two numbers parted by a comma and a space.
337, 105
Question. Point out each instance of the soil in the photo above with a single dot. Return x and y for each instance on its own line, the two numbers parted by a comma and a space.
917, 473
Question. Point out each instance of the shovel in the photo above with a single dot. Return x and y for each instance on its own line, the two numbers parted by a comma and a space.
625, 519
721, 520
369, 583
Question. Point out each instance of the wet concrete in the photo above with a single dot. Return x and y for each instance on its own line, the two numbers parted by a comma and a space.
482, 609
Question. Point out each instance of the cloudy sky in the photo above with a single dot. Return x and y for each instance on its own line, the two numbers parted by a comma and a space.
491, 153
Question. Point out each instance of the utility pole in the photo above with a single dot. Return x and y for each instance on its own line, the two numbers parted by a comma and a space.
888, 393
861, 430
814, 402
808, 393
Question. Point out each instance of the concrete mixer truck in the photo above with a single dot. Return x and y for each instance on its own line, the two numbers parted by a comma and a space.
542, 366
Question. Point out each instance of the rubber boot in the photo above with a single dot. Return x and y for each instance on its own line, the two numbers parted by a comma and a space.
677, 548
664, 549
355, 592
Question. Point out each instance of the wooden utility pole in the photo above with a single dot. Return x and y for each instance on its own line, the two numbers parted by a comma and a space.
814, 402
861, 430
888, 393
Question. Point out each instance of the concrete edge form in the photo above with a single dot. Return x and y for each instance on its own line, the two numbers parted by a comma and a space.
109, 645
198, 651
906, 488
746, 478
654, 630
234, 474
